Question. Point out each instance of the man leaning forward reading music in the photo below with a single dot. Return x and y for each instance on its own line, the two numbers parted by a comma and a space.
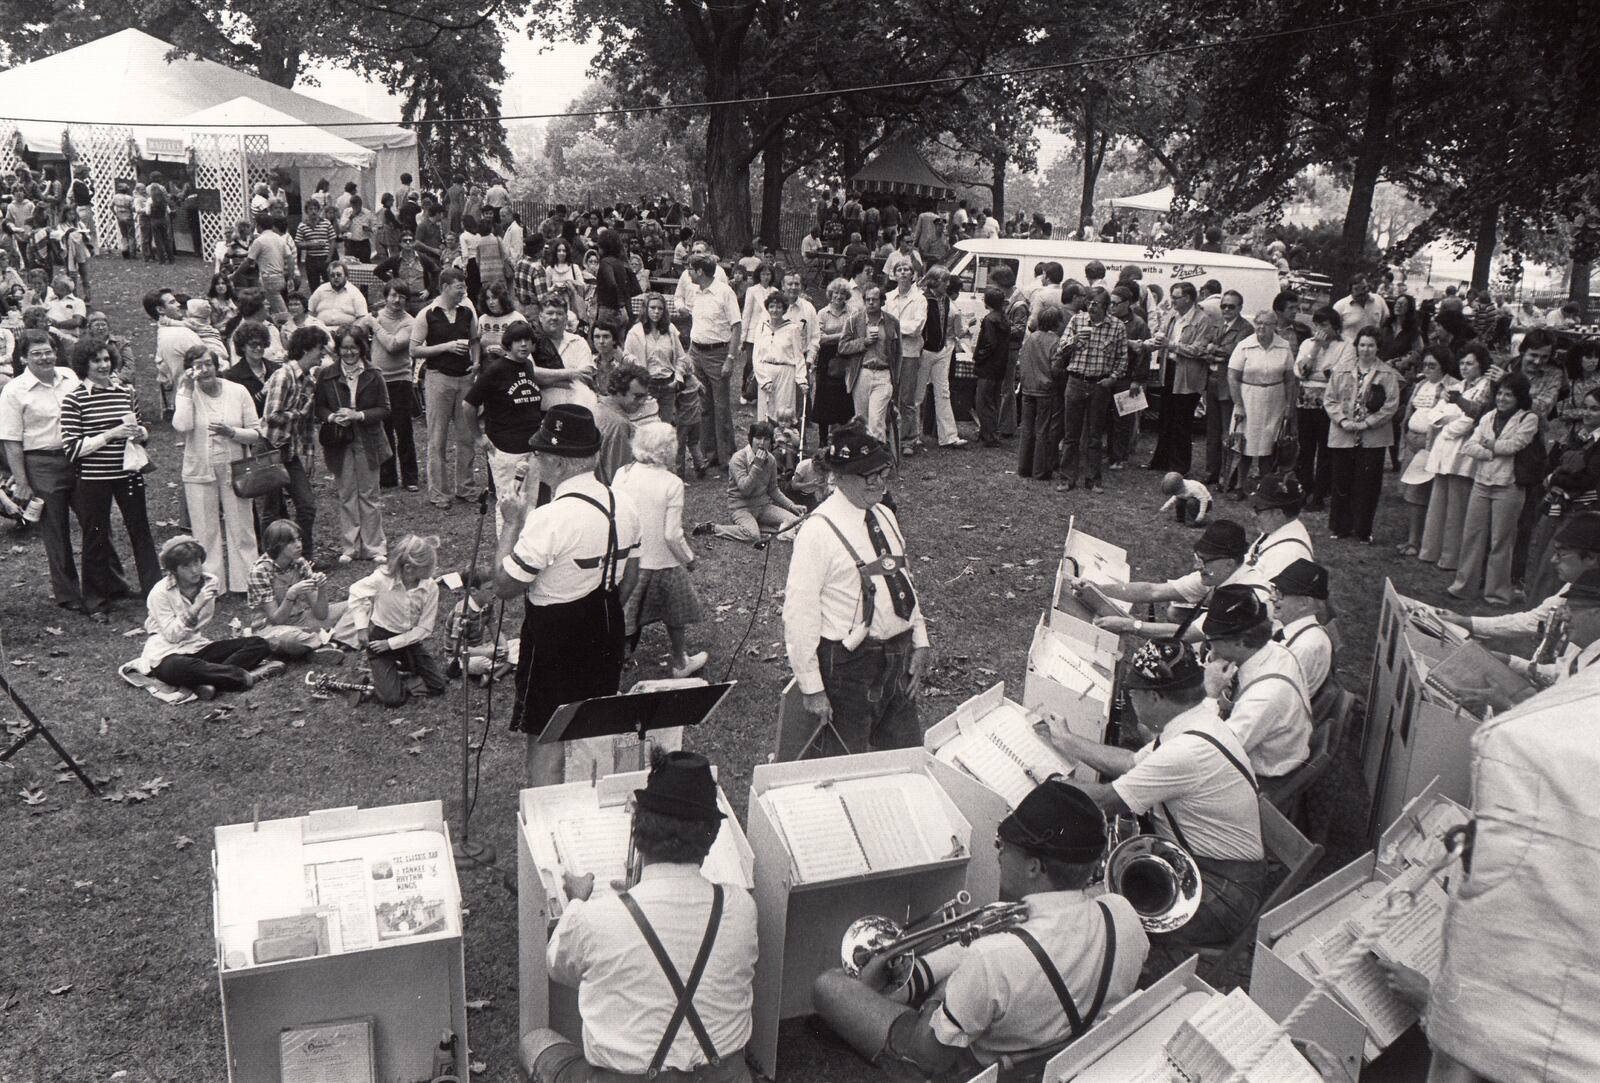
853, 629
1017, 996
665, 971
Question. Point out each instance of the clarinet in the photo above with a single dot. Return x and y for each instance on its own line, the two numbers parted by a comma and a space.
1552, 638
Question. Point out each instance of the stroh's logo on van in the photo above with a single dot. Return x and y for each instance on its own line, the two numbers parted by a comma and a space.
1181, 271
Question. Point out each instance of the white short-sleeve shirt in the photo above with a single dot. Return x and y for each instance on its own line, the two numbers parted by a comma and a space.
561, 550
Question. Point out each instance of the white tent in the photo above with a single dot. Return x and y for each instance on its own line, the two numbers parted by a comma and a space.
1158, 201
288, 145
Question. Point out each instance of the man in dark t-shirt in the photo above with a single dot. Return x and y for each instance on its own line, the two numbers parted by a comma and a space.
510, 406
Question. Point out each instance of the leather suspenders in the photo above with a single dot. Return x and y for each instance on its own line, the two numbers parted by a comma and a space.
1077, 1024
1166, 813
608, 568
685, 1011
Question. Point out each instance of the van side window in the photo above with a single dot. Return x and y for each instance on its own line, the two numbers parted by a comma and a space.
985, 266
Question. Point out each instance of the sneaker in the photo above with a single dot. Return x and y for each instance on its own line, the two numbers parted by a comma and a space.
412, 488
326, 656
346, 557
1118, 466
380, 557
702, 529
1066, 486
1094, 486
204, 691
908, 450
267, 670
692, 664
442, 503
957, 444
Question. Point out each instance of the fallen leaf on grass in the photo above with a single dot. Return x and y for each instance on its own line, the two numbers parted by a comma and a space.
10, 1002
478, 1005
247, 732
82, 885
420, 732
155, 785
397, 721
414, 750
22, 661
132, 632
297, 723
61, 990
54, 631
478, 1067
967, 526
182, 842
31, 795
105, 724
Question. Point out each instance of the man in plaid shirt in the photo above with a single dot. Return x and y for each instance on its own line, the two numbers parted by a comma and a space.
527, 280
1094, 355
286, 417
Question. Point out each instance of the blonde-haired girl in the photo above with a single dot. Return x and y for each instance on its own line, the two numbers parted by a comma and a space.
390, 615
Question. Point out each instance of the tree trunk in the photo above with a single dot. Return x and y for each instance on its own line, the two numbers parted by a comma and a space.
727, 178
279, 64
997, 187
1484, 240
1578, 286
772, 178
1091, 163
1371, 155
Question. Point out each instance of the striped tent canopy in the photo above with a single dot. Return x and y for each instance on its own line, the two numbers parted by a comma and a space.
900, 169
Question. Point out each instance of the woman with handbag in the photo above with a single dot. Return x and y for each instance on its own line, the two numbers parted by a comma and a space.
1437, 378
841, 334
219, 421
105, 442
351, 403
1361, 398
1319, 355
1452, 470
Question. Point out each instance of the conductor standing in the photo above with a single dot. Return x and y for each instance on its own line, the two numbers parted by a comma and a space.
574, 560
853, 629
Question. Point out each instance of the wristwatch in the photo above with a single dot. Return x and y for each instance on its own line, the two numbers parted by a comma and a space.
1138, 626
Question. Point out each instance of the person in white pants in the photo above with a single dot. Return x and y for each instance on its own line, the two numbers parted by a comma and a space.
909, 307
779, 357
939, 334
876, 368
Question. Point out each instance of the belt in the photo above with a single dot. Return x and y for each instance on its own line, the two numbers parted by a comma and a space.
1087, 379
876, 368
873, 644
709, 345
54, 452
1271, 383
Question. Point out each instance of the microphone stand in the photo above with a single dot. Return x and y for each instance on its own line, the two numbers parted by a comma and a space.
467, 852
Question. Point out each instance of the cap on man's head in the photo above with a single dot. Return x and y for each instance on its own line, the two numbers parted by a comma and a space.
1163, 665
1234, 610
1584, 593
1580, 531
1058, 821
1283, 492
1304, 579
1223, 539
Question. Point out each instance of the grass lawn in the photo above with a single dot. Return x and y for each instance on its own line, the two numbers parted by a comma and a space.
108, 964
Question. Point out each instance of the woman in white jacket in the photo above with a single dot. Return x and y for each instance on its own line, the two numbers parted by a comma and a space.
1452, 470
1491, 528
218, 420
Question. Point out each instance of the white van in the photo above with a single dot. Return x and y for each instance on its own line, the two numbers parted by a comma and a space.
974, 258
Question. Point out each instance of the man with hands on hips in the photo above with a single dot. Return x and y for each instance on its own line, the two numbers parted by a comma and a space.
855, 634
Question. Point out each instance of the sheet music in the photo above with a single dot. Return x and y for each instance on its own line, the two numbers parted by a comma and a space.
822, 842
1302, 936
1057, 660
887, 829
987, 762
1422, 843
596, 843
1225, 1033
1365, 988
1416, 939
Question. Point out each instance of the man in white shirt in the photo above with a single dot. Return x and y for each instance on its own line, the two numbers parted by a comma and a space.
904, 255
511, 240
574, 562
801, 309
683, 295
173, 339
1257, 685
988, 224
853, 630
274, 260
1362, 308
645, 1009
909, 307
575, 354
1192, 778
337, 303
1283, 539
35, 452
1218, 561
715, 332
1575, 550
1300, 592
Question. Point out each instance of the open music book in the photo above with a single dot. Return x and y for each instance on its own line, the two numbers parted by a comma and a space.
1003, 752
1058, 658
1470, 671
852, 827
595, 842
1227, 1032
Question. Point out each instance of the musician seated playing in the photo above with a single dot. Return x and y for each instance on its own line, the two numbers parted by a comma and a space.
1014, 996
627, 953
1192, 784
1257, 685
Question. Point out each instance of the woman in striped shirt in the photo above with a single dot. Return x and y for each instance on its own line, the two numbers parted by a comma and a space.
98, 421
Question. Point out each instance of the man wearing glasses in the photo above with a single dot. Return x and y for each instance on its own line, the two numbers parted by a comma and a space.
855, 635
1232, 330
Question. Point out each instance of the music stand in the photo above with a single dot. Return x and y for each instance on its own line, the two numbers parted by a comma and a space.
37, 728
634, 712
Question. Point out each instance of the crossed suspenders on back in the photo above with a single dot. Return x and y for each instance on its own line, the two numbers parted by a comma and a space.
607, 563
685, 1011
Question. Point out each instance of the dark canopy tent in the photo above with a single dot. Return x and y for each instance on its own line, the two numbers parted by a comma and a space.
899, 172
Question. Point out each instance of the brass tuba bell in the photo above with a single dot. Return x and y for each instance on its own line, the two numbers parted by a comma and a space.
874, 936
1158, 878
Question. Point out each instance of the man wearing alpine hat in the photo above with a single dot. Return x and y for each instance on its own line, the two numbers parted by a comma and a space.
574, 560
1013, 996
1258, 686
665, 969
854, 632
1192, 779
1300, 594
1283, 539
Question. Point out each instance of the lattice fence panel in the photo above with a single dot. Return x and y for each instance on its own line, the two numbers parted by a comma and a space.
106, 149
256, 149
219, 162
9, 158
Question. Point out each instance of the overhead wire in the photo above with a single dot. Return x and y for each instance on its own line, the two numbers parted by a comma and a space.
797, 95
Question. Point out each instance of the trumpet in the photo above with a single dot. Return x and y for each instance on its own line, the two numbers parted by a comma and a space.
874, 936
1158, 877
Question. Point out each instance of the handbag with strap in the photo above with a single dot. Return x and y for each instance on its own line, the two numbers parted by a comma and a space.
259, 473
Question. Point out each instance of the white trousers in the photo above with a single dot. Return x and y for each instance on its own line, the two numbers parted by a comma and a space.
873, 391
775, 391
503, 468
222, 522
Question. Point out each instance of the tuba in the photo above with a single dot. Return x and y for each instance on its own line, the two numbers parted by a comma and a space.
1158, 877
873, 937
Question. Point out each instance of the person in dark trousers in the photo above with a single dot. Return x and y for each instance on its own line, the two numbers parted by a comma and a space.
989, 361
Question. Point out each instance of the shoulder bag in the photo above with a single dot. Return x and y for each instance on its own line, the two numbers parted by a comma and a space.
259, 473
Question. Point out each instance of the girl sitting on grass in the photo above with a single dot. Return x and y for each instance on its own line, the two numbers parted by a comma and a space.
390, 614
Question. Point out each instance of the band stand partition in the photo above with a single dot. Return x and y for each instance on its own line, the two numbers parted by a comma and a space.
36, 728
1279, 976
1117, 1048
541, 812
343, 918
801, 922
636, 712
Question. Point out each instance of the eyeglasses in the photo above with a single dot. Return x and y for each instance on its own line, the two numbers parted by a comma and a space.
877, 477
1229, 308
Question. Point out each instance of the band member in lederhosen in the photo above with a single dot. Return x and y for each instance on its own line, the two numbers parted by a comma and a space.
665, 970
1014, 996
574, 561
854, 632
